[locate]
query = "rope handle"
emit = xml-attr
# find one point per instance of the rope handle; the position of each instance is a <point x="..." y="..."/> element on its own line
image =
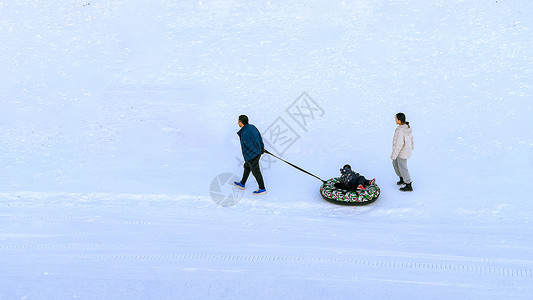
<point x="292" y="165"/>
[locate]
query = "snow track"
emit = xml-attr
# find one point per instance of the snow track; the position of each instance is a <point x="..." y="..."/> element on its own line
<point x="502" y="271"/>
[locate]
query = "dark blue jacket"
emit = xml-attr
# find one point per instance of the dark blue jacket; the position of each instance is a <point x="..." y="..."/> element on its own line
<point x="251" y="141"/>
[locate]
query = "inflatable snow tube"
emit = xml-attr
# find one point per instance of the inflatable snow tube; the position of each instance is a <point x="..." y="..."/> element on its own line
<point x="331" y="193"/>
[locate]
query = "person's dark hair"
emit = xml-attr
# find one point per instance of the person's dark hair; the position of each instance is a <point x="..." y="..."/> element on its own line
<point x="401" y="118"/>
<point x="346" y="169"/>
<point x="243" y="119"/>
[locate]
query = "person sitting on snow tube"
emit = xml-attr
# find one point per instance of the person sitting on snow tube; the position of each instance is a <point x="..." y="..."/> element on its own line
<point x="351" y="180"/>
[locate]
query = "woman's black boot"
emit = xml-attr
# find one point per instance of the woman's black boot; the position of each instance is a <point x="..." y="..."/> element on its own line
<point x="407" y="188"/>
<point x="400" y="182"/>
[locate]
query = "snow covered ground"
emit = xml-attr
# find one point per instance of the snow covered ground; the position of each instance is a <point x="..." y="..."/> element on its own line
<point x="117" y="143"/>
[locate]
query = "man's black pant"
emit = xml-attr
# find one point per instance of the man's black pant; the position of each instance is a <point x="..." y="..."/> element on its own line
<point x="253" y="166"/>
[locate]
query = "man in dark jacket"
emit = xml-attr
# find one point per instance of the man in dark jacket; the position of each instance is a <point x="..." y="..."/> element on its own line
<point x="252" y="147"/>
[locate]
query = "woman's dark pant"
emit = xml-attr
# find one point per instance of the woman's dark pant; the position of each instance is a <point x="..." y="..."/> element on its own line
<point x="253" y="166"/>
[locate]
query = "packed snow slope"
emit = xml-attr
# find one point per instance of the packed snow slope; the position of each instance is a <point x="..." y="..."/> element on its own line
<point x="118" y="142"/>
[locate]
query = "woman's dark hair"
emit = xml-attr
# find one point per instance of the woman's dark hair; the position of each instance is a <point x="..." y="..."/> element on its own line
<point x="401" y="118"/>
<point x="243" y="119"/>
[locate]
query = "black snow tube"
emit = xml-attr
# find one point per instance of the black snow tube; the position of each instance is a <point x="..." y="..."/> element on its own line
<point x="336" y="195"/>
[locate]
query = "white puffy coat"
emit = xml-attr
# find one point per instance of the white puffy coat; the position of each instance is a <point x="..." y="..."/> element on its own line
<point x="403" y="142"/>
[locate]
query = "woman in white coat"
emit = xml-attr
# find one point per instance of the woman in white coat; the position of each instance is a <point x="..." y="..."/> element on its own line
<point x="402" y="146"/>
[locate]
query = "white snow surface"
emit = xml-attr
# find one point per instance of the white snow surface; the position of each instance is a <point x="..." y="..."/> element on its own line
<point x="118" y="124"/>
